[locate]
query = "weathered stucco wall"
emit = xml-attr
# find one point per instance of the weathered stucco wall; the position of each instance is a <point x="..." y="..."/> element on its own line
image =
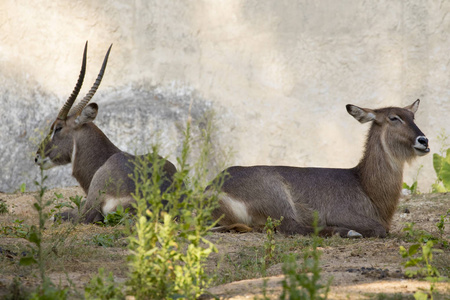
<point x="278" y="74"/>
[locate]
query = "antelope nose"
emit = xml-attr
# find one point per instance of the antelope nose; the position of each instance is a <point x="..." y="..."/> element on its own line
<point x="36" y="158"/>
<point x="423" y="140"/>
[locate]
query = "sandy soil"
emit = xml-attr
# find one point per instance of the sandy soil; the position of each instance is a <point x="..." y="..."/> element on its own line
<point x="360" y="269"/>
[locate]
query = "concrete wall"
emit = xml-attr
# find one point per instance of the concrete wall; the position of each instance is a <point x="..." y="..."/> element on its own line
<point x="278" y="74"/>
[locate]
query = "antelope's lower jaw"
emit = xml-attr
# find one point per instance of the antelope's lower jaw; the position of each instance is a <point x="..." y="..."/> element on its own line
<point x="421" y="152"/>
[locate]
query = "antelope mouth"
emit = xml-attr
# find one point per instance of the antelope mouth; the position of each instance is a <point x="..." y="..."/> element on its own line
<point x="421" y="150"/>
<point x="421" y="146"/>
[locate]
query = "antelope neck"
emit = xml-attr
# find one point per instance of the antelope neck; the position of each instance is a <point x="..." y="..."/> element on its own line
<point x="92" y="149"/>
<point x="381" y="176"/>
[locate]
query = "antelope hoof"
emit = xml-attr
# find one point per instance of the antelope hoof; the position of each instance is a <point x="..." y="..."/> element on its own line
<point x="353" y="234"/>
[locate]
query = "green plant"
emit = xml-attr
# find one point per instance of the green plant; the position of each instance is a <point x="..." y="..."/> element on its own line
<point x="104" y="240"/>
<point x="119" y="217"/>
<point x="48" y="290"/>
<point x="417" y="235"/>
<point x="269" y="244"/>
<point x="302" y="282"/>
<point x="16" y="291"/>
<point x="18" y="229"/>
<point x="443" y="219"/>
<point x="419" y="259"/>
<point x="413" y="187"/>
<point x="102" y="287"/>
<point x="37" y="255"/>
<point x="3" y="207"/>
<point x="167" y="257"/>
<point x="58" y="205"/>
<point x="441" y="165"/>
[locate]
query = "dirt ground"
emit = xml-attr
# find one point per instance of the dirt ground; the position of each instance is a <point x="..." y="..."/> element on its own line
<point x="359" y="268"/>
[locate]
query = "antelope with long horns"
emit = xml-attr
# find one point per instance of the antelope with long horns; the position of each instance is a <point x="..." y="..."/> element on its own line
<point x="101" y="169"/>
<point x="355" y="202"/>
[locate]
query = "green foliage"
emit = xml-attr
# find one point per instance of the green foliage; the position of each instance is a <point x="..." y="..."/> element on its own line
<point x="443" y="219"/>
<point x="16" y="291"/>
<point x="48" y="290"/>
<point x="269" y="244"/>
<point x="167" y="256"/>
<point x="441" y="166"/>
<point x="18" y="229"/>
<point x="418" y="259"/>
<point x="58" y="205"/>
<point x="302" y="282"/>
<point x="102" y="287"/>
<point x="106" y="240"/>
<point x="3" y="207"/>
<point x="78" y="201"/>
<point x="23" y="187"/>
<point x="417" y="235"/>
<point x="119" y="217"/>
<point x="413" y="187"/>
<point x="38" y="252"/>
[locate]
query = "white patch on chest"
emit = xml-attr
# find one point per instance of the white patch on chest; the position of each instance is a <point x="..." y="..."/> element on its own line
<point x="239" y="210"/>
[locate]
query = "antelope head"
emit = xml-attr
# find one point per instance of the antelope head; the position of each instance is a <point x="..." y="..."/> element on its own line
<point x="395" y="129"/>
<point x="57" y="147"/>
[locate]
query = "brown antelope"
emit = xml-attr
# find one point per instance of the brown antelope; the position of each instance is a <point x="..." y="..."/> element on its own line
<point x="350" y="202"/>
<point x="101" y="169"/>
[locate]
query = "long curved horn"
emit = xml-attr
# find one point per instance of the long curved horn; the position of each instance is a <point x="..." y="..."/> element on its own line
<point x="62" y="115"/>
<point x="80" y="106"/>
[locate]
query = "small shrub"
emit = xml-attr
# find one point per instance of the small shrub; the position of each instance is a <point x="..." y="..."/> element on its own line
<point x="167" y="257"/>
<point x="18" y="229"/>
<point x="16" y="291"/>
<point x="3" y="207"/>
<point x="417" y="235"/>
<point x="443" y="219"/>
<point x="441" y="166"/>
<point x="105" y="239"/>
<point x="48" y="290"/>
<point x="302" y="282"/>
<point x="119" y="217"/>
<point x="419" y="259"/>
<point x="102" y="287"/>
<point x="413" y="187"/>
<point x="269" y="244"/>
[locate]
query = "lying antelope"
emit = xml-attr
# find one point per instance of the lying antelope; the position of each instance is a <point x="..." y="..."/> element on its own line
<point x="349" y="202"/>
<point x="101" y="169"/>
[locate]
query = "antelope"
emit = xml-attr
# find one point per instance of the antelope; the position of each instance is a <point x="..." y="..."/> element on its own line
<point x="101" y="169"/>
<point x="356" y="202"/>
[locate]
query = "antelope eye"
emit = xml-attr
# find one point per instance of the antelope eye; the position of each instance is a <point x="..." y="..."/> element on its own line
<point x="57" y="129"/>
<point x="394" y="118"/>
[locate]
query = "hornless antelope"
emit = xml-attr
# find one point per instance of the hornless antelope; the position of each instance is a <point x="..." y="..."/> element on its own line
<point x="101" y="169"/>
<point x="349" y="202"/>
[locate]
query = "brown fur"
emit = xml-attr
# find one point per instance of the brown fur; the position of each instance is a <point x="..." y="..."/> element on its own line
<point x="101" y="168"/>
<point x="362" y="199"/>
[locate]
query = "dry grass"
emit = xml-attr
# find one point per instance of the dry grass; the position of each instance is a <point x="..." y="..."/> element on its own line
<point x="81" y="250"/>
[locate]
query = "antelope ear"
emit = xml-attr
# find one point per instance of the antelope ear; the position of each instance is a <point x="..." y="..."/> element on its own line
<point x="88" y="114"/>
<point x="363" y="115"/>
<point x="413" y="107"/>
